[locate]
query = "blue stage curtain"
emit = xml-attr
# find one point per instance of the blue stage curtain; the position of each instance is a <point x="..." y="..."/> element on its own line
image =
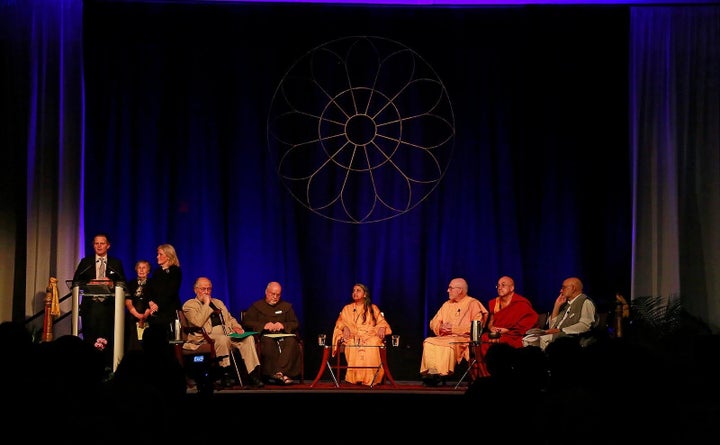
<point x="537" y="185"/>
<point x="159" y="134"/>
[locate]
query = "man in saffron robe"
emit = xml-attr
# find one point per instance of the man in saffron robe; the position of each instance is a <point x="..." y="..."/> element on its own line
<point x="451" y="326"/>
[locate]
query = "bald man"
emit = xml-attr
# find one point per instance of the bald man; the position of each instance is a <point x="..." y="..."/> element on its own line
<point x="280" y="355"/>
<point x="451" y="326"/>
<point x="573" y="314"/>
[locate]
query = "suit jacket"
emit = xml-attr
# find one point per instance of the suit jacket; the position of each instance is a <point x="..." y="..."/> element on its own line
<point x="198" y="315"/>
<point x="85" y="270"/>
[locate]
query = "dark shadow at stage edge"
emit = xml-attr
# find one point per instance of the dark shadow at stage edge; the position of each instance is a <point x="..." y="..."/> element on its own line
<point x="329" y="387"/>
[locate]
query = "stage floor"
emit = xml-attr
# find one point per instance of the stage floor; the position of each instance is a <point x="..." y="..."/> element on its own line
<point x="329" y="387"/>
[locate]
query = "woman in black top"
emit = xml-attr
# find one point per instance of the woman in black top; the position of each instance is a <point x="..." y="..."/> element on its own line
<point x="164" y="289"/>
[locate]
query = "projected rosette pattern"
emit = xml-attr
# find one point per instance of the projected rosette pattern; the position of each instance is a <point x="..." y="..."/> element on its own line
<point x="360" y="130"/>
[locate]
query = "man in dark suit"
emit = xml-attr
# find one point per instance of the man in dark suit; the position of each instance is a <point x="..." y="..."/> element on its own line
<point x="98" y="312"/>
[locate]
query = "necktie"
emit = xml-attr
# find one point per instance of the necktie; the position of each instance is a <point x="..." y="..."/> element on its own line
<point x="101" y="271"/>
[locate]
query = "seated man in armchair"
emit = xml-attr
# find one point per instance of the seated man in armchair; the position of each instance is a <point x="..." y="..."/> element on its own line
<point x="280" y="352"/>
<point x="212" y="315"/>
<point x="451" y="326"/>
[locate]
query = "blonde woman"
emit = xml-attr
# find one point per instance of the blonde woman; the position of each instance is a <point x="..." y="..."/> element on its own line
<point x="163" y="288"/>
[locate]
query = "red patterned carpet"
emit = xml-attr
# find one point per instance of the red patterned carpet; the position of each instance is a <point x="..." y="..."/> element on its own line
<point x="328" y="386"/>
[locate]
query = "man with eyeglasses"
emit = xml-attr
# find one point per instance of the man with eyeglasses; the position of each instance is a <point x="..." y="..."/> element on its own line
<point x="511" y="316"/>
<point x="573" y="314"/>
<point x="451" y="326"/>
<point x="212" y="315"/>
<point x="279" y="345"/>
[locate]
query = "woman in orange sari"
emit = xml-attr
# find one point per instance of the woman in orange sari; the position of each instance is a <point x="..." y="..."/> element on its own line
<point x="361" y="328"/>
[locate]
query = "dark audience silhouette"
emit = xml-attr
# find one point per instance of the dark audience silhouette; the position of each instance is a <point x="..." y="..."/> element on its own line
<point x="148" y="390"/>
<point x="615" y="391"/>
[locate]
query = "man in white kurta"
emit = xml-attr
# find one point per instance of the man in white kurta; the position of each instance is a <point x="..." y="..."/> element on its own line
<point x="573" y="314"/>
<point x="451" y="326"/>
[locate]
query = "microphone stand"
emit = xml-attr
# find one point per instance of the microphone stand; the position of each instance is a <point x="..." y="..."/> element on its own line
<point x="474" y="344"/>
<point x="232" y="353"/>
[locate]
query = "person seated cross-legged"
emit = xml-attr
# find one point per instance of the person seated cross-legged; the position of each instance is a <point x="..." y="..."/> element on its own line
<point x="212" y="315"/>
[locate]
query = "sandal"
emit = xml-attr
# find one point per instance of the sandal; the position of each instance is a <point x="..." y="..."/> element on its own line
<point x="287" y="380"/>
<point x="279" y="378"/>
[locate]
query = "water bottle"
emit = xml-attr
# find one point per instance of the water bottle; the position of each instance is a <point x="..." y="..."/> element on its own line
<point x="475" y="327"/>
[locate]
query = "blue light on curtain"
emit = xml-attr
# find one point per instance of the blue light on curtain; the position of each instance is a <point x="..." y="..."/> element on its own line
<point x="536" y="188"/>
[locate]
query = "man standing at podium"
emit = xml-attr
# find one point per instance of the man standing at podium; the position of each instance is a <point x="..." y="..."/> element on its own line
<point x="98" y="311"/>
